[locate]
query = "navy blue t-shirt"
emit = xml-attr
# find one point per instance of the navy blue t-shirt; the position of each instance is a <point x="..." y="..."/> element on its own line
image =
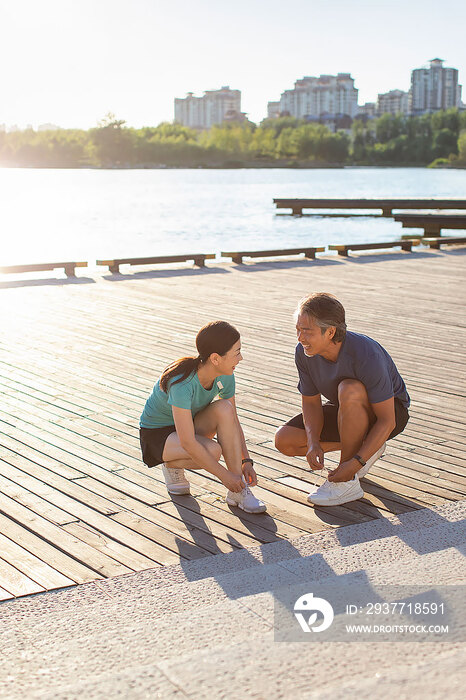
<point x="359" y="358"/>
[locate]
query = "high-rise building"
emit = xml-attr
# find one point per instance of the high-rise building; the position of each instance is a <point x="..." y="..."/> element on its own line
<point x="328" y="94"/>
<point x="367" y="110"/>
<point x="48" y="127"/>
<point x="434" y="88"/>
<point x="273" y="110"/>
<point x="393" y="102"/>
<point x="214" y="107"/>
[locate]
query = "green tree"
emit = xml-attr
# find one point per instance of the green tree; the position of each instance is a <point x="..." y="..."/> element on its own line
<point x="389" y="126"/>
<point x="462" y="147"/>
<point x="445" y="143"/>
<point x="113" y="142"/>
<point x="363" y="140"/>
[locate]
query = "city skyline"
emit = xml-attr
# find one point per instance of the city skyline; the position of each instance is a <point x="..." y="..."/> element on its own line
<point x="70" y="63"/>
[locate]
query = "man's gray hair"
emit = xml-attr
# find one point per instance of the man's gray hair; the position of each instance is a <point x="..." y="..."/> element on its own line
<point x="326" y="311"/>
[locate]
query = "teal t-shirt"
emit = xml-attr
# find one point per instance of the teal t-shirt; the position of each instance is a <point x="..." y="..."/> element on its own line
<point x="188" y="394"/>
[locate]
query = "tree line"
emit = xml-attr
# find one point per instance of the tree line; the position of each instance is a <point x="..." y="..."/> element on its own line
<point x="438" y="138"/>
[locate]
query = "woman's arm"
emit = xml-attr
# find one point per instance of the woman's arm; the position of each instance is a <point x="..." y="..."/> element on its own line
<point x="185" y="430"/>
<point x="248" y="469"/>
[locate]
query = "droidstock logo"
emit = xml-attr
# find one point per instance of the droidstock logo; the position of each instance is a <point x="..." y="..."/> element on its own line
<point x="308" y="604"/>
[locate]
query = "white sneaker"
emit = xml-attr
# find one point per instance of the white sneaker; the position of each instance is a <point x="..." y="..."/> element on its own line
<point x="177" y="483"/>
<point x="246" y="500"/>
<point x="371" y="461"/>
<point x="336" y="493"/>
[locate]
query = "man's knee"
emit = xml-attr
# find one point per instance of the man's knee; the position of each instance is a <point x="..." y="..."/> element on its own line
<point x="352" y="390"/>
<point x="285" y="440"/>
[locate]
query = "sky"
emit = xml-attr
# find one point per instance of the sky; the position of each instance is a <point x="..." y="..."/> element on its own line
<point x="70" y="62"/>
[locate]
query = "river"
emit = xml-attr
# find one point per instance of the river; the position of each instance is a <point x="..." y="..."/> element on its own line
<point x="47" y="215"/>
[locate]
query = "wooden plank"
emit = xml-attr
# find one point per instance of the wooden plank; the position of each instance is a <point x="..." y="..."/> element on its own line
<point x="238" y="256"/>
<point x="404" y="244"/>
<point x="109" y="526"/>
<point x="435" y="243"/>
<point x="183" y="548"/>
<point x="125" y="555"/>
<point x="198" y="259"/>
<point x="59" y="538"/>
<point x="15" y="582"/>
<point x="4" y="595"/>
<point x="432" y="223"/>
<point x="169" y="528"/>
<point x="37" y="503"/>
<point x="48" y="484"/>
<point x="206" y="518"/>
<point x="32" y="566"/>
<point x="69" y="267"/>
<point x="297" y="204"/>
<point x="49" y="554"/>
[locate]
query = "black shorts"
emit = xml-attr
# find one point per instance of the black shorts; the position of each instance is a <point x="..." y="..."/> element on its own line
<point x="152" y="443"/>
<point x="330" y="431"/>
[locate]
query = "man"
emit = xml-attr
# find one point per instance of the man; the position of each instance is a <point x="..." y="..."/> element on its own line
<point x="367" y="399"/>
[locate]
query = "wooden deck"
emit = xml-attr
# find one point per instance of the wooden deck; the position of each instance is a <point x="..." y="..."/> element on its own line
<point x="79" y="357"/>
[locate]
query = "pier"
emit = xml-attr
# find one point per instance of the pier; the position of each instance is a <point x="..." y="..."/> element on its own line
<point x="79" y="357"/>
<point x="386" y="205"/>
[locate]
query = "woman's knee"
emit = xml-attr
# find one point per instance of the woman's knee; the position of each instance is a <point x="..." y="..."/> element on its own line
<point x="207" y="421"/>
<point x="223" y="409"/>
<point x="214" y="449"/>
<point x="352" y="390"/>
<point x="224" y="406"/>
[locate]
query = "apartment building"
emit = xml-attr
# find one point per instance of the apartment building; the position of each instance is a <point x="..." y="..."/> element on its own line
<point x="327" y="94"/>
<point x="214" y="107"/>
<point x="393" y="102"/>
<point x="434" y="88"/>
<point x="273" y="110"/>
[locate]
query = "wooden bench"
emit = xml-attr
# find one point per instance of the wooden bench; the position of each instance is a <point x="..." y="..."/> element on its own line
<point x="237" y="256"/>
<point x="386" y="205"/>
<point x="442" y="240"/>
<point x="198" y="258"/>
<point x="403" y="244"/>
<point x="432" y="223"/>
<point x="69" y="267"/>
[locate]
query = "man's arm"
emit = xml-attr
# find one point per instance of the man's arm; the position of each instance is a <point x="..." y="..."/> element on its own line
<point x="313" y="417"/>
<point x="385" y="422"/>
<point x="380" y="431"/>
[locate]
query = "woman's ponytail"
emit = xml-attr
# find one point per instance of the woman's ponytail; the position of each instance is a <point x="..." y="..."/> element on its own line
<point x="181" y="369"/>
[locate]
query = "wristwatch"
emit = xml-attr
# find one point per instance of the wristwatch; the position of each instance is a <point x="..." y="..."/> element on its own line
<point x="360" y="460"/>
<point x="247" y="459"/>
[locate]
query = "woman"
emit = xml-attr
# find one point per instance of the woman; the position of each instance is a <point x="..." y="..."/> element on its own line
<point x="181" y="418"/>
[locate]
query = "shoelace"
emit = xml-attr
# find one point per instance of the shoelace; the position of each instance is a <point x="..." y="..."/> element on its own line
<point x="177" y="475"/>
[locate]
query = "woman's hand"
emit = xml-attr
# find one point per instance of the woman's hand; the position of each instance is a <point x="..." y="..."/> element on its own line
<point x="249" y="474"/>
<point x="233" y="482"/>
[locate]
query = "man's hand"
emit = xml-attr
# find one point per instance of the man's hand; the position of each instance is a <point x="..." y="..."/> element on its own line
<point x="249" y="474"/>
<point x="315" y="456"/>
<point x="345" y="471"/>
